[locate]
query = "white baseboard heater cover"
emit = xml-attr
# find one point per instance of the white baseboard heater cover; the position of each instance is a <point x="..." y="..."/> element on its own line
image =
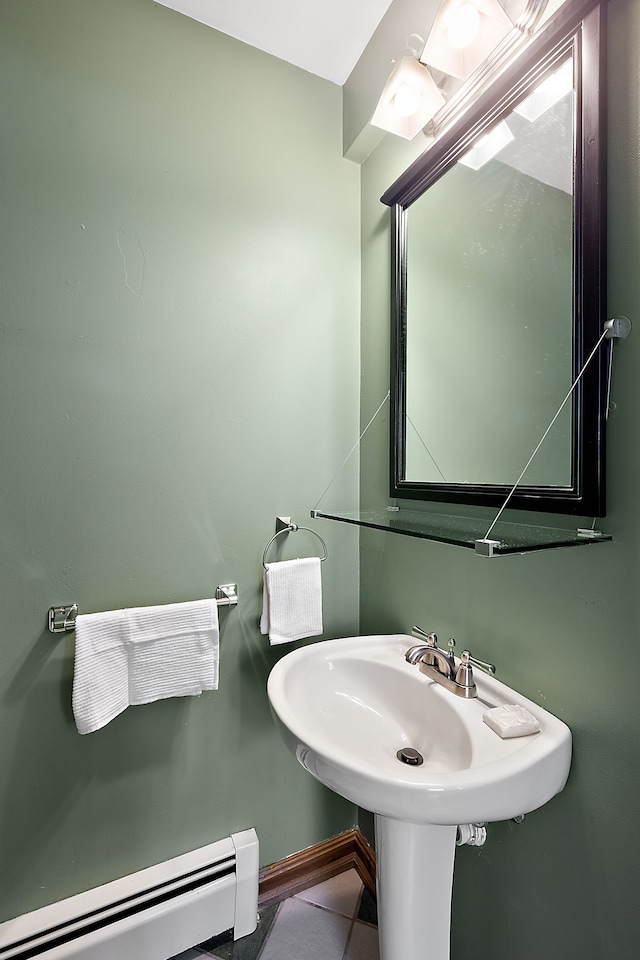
<point x="150" y="915"/>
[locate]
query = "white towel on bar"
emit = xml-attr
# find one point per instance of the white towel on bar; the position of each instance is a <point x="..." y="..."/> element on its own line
<point x="140" y="654"/>
<point x="292" y="600"/>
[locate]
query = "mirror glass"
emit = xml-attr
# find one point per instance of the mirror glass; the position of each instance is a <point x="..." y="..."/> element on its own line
<point x="489" y="254"/>
<point x="498" y="293"/>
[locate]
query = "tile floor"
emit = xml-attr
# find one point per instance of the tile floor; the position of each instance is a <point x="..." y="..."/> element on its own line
<point x="335" y="920"/>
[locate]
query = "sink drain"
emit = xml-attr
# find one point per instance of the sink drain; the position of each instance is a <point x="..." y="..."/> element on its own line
<point x="410" y="756"/>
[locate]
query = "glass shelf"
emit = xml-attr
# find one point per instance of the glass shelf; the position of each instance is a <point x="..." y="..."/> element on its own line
<point x="506" y="538"/>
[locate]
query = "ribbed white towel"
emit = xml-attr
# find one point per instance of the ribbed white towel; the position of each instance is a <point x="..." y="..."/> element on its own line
<point x="140" y="654"/>
<point x="292" y="600"/>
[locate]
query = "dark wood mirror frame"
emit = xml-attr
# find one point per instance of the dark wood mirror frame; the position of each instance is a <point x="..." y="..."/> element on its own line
<point x="578" y="27"/>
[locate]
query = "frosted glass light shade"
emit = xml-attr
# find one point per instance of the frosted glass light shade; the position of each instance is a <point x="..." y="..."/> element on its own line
<point x="409" y="100"/>
<point x="464" y="33"/>
<point x="488" y="146"/>
<point x="548" y="93"/>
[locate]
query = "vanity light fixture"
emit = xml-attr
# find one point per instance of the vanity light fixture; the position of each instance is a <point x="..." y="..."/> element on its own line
<point x="488" y="146"/>
<point x="464" y="33"/>
<point x="409" y="100"/>
<point x="548" y="93"/>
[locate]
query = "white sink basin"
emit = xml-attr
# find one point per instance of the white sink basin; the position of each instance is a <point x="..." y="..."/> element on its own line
<point x="347" y="706"/>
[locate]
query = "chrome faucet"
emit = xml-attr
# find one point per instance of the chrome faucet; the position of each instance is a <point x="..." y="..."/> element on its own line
<point x="430" y="654"/>
<point x="441" y="666"/>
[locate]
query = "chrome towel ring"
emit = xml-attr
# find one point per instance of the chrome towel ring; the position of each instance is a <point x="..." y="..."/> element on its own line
<point x="289" y="527"/>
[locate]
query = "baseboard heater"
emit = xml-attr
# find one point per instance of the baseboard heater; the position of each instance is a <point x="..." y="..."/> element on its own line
<point x="150" y="915"/>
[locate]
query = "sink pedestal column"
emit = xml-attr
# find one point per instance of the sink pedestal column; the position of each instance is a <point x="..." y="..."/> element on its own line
<point x="414" y="868"/>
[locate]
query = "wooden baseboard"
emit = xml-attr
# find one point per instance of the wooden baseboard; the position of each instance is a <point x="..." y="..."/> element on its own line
<point x="320" y="862"/>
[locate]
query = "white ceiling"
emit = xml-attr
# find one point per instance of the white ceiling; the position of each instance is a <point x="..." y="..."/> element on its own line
<point x="324" y="37"/>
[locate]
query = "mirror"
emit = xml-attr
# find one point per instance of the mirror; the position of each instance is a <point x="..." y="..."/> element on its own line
<point x="498" y="292"/>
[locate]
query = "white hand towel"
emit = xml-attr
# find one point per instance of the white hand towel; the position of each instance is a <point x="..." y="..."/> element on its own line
<point x="292" y="600"/>
<point x="101" y="669"/>
<point x="142" y="654"/>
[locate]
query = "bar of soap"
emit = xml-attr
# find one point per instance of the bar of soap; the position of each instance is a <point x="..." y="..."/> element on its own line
<point x="511" y="720"/>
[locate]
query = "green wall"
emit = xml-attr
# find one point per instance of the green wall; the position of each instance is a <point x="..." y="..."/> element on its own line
<point x="561" y="626"/>
<point x="179" y="290"/>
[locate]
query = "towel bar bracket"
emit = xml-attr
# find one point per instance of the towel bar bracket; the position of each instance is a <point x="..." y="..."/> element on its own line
<point x="63" y="619"/>
<point x="227" y="595"/>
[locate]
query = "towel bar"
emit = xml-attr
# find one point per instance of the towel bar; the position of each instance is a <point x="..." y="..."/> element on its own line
<point x="285" y="525"/>
<point x="63" y="619"/>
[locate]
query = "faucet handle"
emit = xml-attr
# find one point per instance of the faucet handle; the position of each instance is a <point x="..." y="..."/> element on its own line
<point x="487" y="667"/>
<point x="430" y="638"/>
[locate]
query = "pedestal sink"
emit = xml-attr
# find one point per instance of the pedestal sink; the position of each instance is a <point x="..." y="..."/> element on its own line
<point x="346" y="707"/>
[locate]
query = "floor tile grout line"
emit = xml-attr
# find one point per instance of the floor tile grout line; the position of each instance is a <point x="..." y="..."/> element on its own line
<point x="349" y="936"/>
<point x="273" y="923"/>
<point x="318" y="906"/>
<point x="359" y="903"/>
<point x="365" y="923"/>
<point x="353" y="919"/>
<point x="322" y="906"/>
<point x="353" y="916"/>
